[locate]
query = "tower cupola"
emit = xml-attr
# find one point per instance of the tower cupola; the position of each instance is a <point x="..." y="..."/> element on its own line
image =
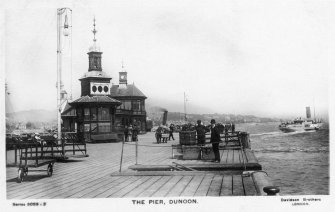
<point x="123" y="76"/>
<point x="94" y="54"/>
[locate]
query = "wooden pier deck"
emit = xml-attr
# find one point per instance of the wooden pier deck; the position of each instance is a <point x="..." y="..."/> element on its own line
<point x="97" y="176"/>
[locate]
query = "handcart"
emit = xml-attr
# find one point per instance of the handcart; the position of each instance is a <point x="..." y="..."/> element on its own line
<point x="35" y="155"/>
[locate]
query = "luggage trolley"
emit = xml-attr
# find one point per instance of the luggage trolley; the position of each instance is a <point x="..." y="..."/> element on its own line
<point x="35" y="155"/>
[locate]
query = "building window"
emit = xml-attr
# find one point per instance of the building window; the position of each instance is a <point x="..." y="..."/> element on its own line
<point x="95" y="62"/>
<point x="87" y="127"/>
<point x="86" y="114"/>
<point x="94" y="127"/>
<point x="103" y="114"/>
<point x="127" y="105"/>
<point x="104" y="127"/>
<point x="79" y="112"/>
<point x="94" y="114"/>
<point x="136" y="105"/>
<point x="142" y="106"/>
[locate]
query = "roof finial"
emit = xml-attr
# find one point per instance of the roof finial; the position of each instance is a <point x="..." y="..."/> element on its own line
<point x="122" y="66"/>
<point x="94" y="30"/>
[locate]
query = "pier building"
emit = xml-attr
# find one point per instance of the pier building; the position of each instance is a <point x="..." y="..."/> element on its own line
<point x="103" y="110"/>
<point x="93" y="114"/>
<point x="132" y="110"/>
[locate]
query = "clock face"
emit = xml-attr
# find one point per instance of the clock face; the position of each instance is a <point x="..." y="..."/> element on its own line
<point x="123" y="76"/>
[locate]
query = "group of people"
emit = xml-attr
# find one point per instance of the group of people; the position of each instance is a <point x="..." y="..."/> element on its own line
<point x="161" y="130"/>
<point x="131" y="132"/>
<point x="215" y="139"/>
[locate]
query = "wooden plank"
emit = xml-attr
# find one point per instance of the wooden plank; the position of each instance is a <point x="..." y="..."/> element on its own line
<point x="215" y="187"/>
<point x="78" y="187"/>
<point x="56" y="182"/>
<point x="42" y="189"/>
<point x="236" y="156"/>
<point x="192" y="187"/>
<point x="108" y="190"/>
<point x="261" y="180"/>
<point x="143" y="187"/>
<point x="167" y="186"/>
<point x="237" y="186"/>
<point x="227" y="185"/>
<point x="224" y="156"/>
<point x="173" y="173"/>
<point x="98" y="188"/>
<point x="204" y="185"/>
<point x="92" y="189"/>
<point x="141" y="180"/>
<point x="179" y="187"/>
<point x="251" y="158"/>
<point x="199" y="167"/>
<point x="155" y="187"/>
<point x="249" y="186"/>
<point x="230" y="157"/>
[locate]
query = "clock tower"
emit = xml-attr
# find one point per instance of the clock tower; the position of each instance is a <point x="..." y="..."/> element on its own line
<point x="123" y="78"/>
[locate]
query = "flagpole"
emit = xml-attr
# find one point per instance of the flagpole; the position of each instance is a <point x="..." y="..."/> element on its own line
<point x="185" y="107"/>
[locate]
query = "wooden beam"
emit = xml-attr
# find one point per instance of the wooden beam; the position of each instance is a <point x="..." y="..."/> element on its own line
<point x="199" y="167"/>
<point x="175" y="173"/>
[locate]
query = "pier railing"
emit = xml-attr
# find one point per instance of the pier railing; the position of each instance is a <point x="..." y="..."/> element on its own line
<point x="68" y="146"/>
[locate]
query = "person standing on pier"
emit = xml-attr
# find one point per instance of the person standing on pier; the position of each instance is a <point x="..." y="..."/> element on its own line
<point x="171" y="132"/>
<point x="201" y="133"/>
<point x="215" y="139"/>
<point x="158" y="134"/>
<point x="135" y="133"/>
<point x="126" y="133"/>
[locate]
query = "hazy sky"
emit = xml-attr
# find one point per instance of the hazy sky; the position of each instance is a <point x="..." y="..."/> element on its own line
<point x="266" y="58"/>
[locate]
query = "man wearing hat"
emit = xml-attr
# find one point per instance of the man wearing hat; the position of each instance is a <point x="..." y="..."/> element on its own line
<point x="201" y="133"/>
<point x="215" y="139"/>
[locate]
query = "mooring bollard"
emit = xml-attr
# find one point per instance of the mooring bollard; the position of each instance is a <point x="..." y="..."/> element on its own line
<point x="245" y="140"/>
<point x="271" y="190"/>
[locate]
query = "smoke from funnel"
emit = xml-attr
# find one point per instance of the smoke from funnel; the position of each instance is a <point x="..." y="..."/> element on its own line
<point x="164" y="117"/>
<point x="157" y="109"/>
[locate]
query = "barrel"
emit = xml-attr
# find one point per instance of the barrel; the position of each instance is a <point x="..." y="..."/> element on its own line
<point x="187" y="137"/>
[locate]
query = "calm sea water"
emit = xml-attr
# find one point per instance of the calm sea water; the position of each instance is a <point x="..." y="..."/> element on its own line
<point x="296" y="162"/>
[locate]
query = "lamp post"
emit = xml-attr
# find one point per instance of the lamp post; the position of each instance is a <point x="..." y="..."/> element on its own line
<point x="61" y="28"/>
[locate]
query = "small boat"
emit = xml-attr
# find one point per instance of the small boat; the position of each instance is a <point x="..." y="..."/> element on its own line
<point x="300" y="125"/>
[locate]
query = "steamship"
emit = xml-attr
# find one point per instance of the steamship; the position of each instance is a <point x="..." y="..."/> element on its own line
<point x="300" y="125"/>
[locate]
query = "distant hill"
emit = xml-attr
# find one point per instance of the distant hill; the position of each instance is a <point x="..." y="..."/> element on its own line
<point x="33" y="116"/>
<point x="177" y="117"/>
<point x="154" y="113"/>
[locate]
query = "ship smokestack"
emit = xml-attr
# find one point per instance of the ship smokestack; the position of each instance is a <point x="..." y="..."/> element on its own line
<point x="164" y="117"/>
<point x="308" y="112"/>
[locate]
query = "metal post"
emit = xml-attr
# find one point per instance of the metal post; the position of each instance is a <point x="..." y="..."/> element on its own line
<point x="60" y="12"/>
<point x="59" y="70"/>
<point x="15" y="152"/>
<point x="121" y="155"/>
<point x="73" y="140"/>
<point x="136" y="150"/>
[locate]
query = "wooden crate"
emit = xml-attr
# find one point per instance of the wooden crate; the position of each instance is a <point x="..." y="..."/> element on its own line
<point x="207" y="153"/>
<point x="177" y="152"/>
<point x="187" y="137"/>
<point x="191" y="152"/>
